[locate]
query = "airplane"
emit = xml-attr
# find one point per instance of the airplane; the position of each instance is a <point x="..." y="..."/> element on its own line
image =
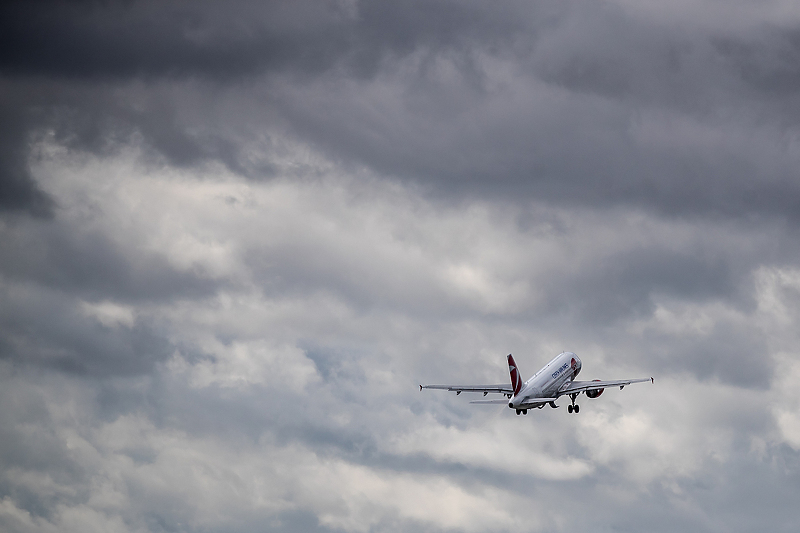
<point x="555" y="379"/>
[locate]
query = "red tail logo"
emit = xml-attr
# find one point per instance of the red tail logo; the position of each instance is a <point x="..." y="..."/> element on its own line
<point x="516" y="380"/>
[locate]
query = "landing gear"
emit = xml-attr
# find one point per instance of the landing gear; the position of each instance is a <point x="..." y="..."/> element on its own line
<point x="518" y="411"/>
<point x="524" y="411"/>
<point x="573" y="408"/>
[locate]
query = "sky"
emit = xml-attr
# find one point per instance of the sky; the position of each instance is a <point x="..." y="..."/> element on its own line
<point x="236" y="236"/>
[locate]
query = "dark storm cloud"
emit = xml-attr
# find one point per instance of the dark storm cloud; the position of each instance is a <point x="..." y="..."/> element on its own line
<point x="46" y="46"/>
<point x="126" y="39"/>
<point x="598" y="109"/>
<point x="586" y="79"/>
<point x="60" y="43"/>
<point x="17" y="189"/>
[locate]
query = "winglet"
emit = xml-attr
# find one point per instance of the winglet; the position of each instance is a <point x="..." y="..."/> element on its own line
<point x="516" y="380"/>
<point x="420" y="388"/>
<point x="652" y="380"/>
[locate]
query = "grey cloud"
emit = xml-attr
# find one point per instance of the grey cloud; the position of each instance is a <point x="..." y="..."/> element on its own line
<point x="93" y="267"/>
<point x="31" y="444"/>
<point x="126" y="39"/>
<point x="50" y="271"/>
<point x="73" y="45"/>
<point x="730" y="353"/>
<point x="565" y="127"/>
<point x="626" y="285"/>
<point x="474" y="111"/>
<point x="657" y="502"/>
<point x="17" y="189"/>
<point x="53" y="333"/>
<point x="768" y="64"/>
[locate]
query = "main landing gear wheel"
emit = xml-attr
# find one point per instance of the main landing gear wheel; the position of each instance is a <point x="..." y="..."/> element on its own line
<point x="518" y="411"/>
<point x="573" y="408"/>
<point x="524" y="411"/>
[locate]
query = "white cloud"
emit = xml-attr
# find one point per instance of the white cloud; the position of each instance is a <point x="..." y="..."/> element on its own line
<point x="786" y="406"/>
<point x="110" y="314"/>
<point x="501" y="444"/>
<point x="242" y="364"/>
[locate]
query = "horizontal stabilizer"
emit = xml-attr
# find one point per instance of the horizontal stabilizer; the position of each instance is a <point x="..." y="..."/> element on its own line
<point x="532" y="402"/>
<point x="535" y="402"/>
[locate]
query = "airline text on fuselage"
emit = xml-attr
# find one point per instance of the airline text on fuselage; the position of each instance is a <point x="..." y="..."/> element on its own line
<point x="560" y="370"/>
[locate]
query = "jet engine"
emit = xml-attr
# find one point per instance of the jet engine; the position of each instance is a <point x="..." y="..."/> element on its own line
<point x="594" y="393"/>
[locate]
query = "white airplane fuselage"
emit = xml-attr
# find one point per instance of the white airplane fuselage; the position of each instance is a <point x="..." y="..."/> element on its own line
<point x="548" y="381"/>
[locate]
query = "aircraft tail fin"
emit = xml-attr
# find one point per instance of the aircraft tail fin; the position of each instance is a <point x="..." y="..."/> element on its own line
<point x="516" y="378"/>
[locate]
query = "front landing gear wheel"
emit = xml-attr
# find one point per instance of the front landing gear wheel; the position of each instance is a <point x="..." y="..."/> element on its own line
<point x="569" y="409"/>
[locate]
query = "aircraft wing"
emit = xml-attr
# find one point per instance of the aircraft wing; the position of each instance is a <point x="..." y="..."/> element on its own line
<point x="497" y="401"/>
<point x="580" y="386"/>
<point x="502" y="388"/>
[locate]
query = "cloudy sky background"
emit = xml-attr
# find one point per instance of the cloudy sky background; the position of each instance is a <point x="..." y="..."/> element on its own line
<point x="235" y="237"/>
